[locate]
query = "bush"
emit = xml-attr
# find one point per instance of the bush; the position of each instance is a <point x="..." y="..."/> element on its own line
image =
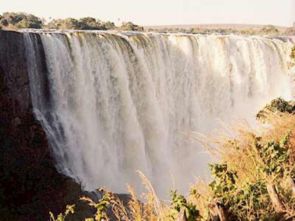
<point x="129" y="26"/>
<point x="276" y="106"/>
<point x="20" y="20"/>
<point x="180" y="205"/>
<point x="87" y="23"/>
<point x="68" y="23"/>
<point x="11" y="20"/>
<point x="269" y="30"/>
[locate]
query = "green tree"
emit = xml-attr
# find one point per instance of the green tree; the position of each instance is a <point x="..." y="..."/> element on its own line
<point x="68" y="23"/>
<point x="20" y="20"/>
<point x="129" y="26"/>
<point x="89" y="23"/>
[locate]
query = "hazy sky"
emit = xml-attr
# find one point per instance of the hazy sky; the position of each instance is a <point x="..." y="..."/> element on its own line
<point x="160" y="12"/>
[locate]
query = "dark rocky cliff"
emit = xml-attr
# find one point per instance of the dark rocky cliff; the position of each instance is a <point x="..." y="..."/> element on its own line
<point x="30" y="186"/>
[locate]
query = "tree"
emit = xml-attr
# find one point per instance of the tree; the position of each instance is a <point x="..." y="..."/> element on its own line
<point x="109" y="25"/>
<point x="20" y="20"/>
<point x="68" y="23"/>
<point x="269" y="30"/>
<point x="129" y="26"/>
<point x="89" y="23"/>
<point x="86" y="23"/>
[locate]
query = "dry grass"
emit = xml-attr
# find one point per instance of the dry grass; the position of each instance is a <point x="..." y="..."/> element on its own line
<point x="235" y="147"/>
<point x="241" y="155"/>
<point x="201" y="196"/>
<point x="238" y="148"/>
<point x="153" y="209"/>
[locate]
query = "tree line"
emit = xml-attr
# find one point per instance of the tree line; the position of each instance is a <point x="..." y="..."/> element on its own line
<point x="12" y="20"/>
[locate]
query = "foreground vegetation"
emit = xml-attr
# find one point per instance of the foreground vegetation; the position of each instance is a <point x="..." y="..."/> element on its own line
<point x="254" y="179"/>
<point x="12" y="21"/>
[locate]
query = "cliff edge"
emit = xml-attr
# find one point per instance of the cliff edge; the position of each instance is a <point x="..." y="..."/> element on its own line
<point x="30" y="186"/>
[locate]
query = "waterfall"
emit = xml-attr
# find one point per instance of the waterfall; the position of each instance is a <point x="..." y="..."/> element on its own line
<point x="114" y="103"/>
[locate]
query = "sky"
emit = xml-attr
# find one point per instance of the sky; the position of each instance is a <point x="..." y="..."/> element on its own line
<point x="162" y="12"/>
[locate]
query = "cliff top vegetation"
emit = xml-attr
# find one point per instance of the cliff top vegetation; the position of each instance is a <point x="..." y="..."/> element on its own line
<point x="14" y="21"/>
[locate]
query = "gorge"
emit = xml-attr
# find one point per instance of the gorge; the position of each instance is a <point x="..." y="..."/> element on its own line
<point x="112" y="103"/>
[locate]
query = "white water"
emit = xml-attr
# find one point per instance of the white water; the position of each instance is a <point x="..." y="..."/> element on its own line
<point x="118" y="103"/>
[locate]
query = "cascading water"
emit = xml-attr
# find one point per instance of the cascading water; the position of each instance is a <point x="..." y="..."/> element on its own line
<point x="115" y="103"/>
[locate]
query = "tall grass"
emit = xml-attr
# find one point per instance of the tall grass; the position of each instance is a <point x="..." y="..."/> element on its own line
<point x="253" y="180"/>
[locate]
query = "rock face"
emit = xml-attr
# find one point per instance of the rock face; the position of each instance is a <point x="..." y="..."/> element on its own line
<point x="30" y="186"/>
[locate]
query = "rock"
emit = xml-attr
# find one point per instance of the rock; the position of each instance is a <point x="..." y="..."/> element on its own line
<point x="30" y="185"/>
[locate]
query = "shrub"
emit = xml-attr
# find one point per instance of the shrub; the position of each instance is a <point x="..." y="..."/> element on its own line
<point x="276" y="106"/>
<point x="68" y="23"/>
<point x="70" y="209"/>
<point x="11" y="20"/>
<point x="129" y="26"/>
<point x="86" y="23"/>
<point x="20" y="20"/>
<point x="180" y="205"/>
<point x="269" y="30"/>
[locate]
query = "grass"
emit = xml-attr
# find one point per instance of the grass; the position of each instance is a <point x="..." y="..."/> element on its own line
<point x="253" y="180"/>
